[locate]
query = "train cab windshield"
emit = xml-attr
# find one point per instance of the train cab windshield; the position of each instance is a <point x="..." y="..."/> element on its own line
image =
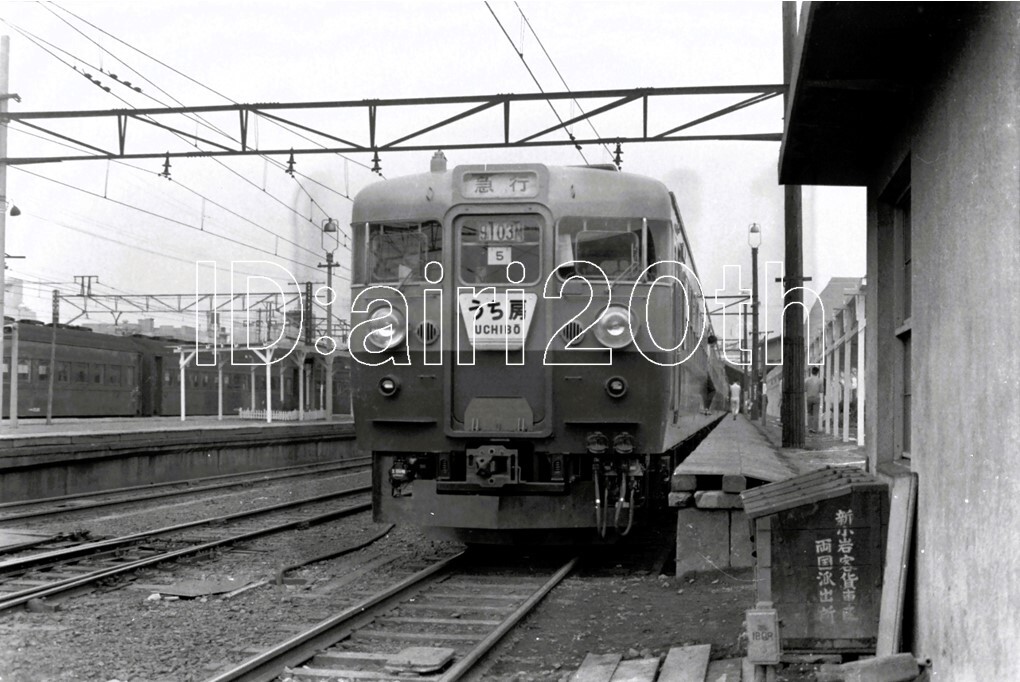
<point x="397" y="252"/>
<point x="488" y="244"/>
<point x="620" y="247"/>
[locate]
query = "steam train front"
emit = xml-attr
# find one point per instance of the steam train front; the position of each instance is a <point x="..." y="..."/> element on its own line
<point x="527" y="350"/>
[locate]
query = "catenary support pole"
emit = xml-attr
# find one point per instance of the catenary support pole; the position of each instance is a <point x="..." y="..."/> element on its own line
<point x="793" y="318"/>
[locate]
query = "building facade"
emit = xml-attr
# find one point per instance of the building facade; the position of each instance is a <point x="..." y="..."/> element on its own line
<point x="920" y="103"/>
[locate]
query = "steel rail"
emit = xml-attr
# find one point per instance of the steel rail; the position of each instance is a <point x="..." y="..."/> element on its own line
<point x="272" y="663"/>
<point x="299" y="648"/>
<point x="24" y="563"/>
<point x="472" y="657"/>
<point x="170" y="493"/>
<point x="353" y="461"/>
<point x="21" y="598"/>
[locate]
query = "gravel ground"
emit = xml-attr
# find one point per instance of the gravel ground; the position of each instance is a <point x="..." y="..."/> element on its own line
<point x="112" y="522"/>
<point x="129" y="635"/>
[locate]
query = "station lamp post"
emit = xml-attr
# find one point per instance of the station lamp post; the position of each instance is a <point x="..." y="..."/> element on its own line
<point x="330" y="242"/>
<point x="754" y="240"/>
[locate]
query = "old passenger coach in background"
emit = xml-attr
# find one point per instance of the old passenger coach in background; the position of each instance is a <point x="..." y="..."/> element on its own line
<point x="531" y="353"/>
<point x="104" y="375"/>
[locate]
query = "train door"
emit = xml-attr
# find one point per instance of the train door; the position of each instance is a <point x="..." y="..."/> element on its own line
<point x="157" y="384"/>
<point x="498" y="275"/>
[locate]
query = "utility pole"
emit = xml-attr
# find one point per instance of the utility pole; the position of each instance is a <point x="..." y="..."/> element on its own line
<point x="793" y="320"/>
<point x="330" y="241"/>
<point x="5" y="63"/>
<point x="53" y="356"/>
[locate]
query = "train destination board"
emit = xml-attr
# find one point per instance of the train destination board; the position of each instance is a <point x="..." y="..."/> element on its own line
<point x="497" y="320"/>
<point x="500" y="185"/>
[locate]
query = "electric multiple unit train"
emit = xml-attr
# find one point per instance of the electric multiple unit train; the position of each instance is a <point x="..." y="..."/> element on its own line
<point x="531" y="354"/>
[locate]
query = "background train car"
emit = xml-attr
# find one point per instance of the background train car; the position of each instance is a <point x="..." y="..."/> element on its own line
<point x="103" y="375"/>
<point x="497" y="382"/>
<point x="96" y="375"/>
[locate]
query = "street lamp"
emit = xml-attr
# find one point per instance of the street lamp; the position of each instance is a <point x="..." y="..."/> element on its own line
<point x="754" y="241"/>
<point x="330" y="242"/>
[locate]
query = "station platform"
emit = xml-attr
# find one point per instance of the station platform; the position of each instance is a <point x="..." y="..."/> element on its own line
<point x="72" y="456"/>
<point x="713" y="532"/>
<point x="37" y="428"/>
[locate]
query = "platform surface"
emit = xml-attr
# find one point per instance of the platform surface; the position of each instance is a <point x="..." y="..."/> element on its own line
<point x="38" y="428"/>
<point x="737" y="447"/>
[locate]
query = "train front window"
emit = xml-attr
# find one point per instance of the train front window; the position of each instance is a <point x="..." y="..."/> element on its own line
<point x="621" y="247"/>
<point x="397" y="252"/>
<point x="488" y="244"/>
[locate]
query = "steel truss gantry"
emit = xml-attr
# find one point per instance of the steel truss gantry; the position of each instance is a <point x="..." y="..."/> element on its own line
<point x="338" y="139"/>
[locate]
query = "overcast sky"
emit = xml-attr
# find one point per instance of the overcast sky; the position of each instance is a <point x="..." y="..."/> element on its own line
<point x="308" y="51"/>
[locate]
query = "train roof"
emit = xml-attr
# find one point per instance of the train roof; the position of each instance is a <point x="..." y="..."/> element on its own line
<point x="594" y="190"/>
<point x="73" y="336"/>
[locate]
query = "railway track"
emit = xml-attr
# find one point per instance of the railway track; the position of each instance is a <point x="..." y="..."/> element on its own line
<point x="59" y="572"/>
<point x="437" y="624"/>
<point x="67" y="504"/>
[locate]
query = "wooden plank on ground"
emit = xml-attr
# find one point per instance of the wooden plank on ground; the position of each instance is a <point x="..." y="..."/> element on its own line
<point x="597" y="668"/>
<point x="897" y="553"/>
<point x="686" y="663"/>
<point x="636" y="670"/>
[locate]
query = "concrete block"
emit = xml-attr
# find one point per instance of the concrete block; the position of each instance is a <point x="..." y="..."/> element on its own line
<point x="741" y="547"/>
<point x="682" y="483"/>
<point x="734" y="483"/>
<point x="702" y="540"/>
<point x="717" y="499"/>
<point x="681" y="499"/>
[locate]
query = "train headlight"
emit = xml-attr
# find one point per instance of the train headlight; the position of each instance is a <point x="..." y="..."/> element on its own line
<point x="389" y="386"/>
<point x="616" y="387"/>
<point x="614" y="328"/>
<point x="387" y="328"/>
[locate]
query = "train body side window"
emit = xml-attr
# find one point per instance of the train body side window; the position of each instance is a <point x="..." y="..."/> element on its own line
<point x="42" y="372"/>
<point x="129" y="375"/>
<point x="113" y="375"/>
<point x="96" y="371"/>
<point x="81" y="372"/>
<point x="63" y="372"/>
<point x="24" y="371"/>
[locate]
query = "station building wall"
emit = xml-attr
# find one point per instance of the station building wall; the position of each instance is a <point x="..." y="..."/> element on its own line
<point x="943" y="343"/>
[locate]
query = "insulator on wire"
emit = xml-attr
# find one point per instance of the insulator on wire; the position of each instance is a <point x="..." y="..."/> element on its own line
<point x="166" y="167"/>
<point x="618" y="157"/>
<point x="290" y="164"/>
<point x="376" y="168"/>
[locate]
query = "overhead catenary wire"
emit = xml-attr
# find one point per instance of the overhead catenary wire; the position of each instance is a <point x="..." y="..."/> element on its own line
<point x="197" y="119"/>
<point x="206" y="87"/>
<point x="163" y="217"/>
<point x="520" y="53"/>
<point x="193" y="191"/>
<point x="556" y="69"/>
